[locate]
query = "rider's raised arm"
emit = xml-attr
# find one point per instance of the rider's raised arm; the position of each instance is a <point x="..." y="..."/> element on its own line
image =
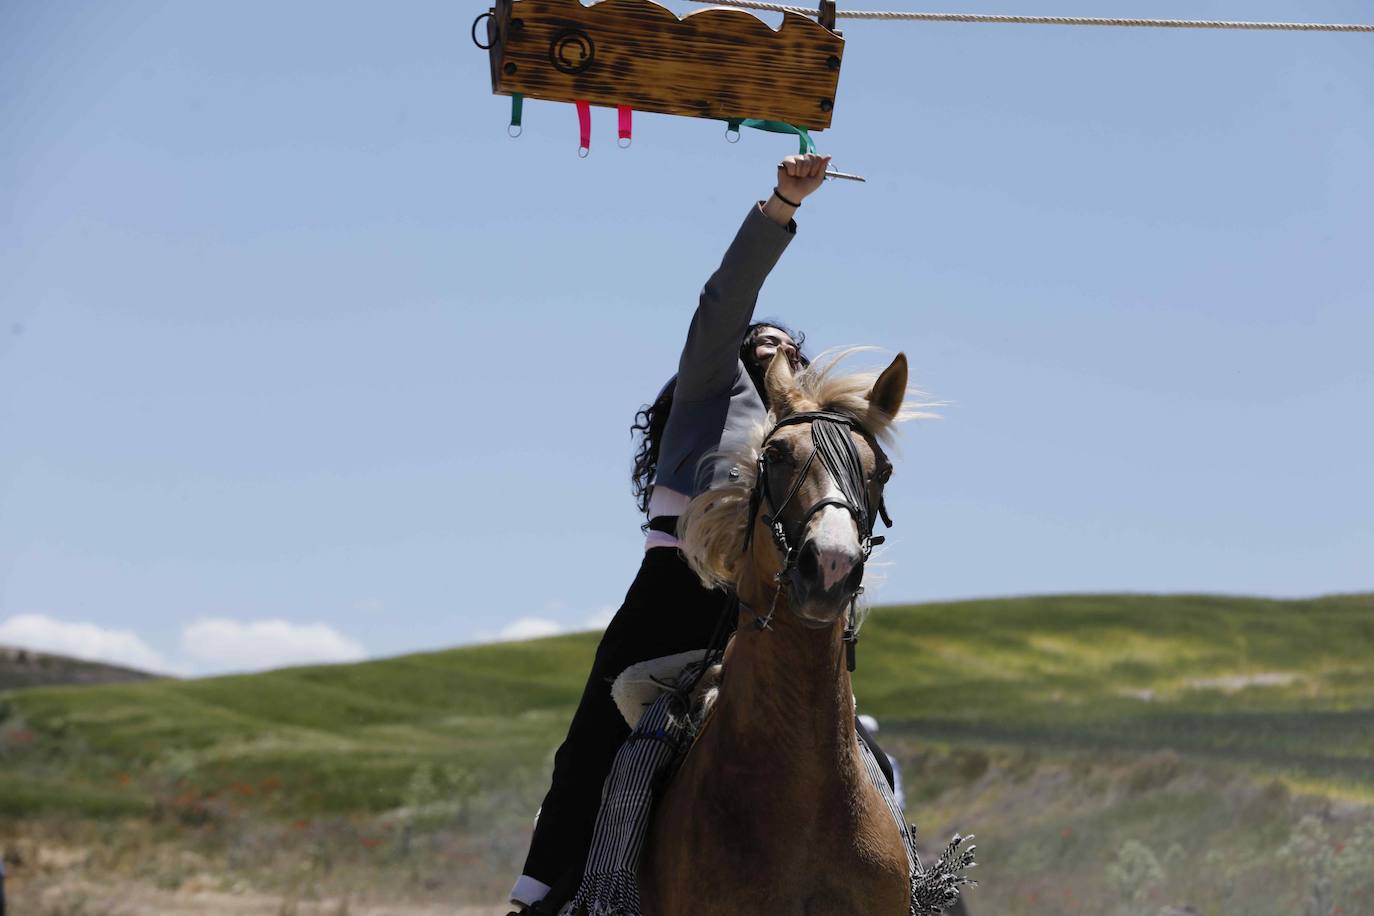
<point x="710" y="358"/>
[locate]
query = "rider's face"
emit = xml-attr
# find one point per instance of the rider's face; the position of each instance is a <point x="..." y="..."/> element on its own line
<point x="768" y="340"/>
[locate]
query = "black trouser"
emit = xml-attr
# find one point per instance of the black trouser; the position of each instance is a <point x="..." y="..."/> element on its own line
<point x="666" y="611"/>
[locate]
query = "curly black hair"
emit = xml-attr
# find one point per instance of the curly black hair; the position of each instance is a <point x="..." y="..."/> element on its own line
<point x="652" y="419"/>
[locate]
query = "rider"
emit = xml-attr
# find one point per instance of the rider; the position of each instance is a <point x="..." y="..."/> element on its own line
<point x="716" y="399"/>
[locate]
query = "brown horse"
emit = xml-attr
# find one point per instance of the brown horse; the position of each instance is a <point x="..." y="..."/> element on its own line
<point x="772" y="811"/>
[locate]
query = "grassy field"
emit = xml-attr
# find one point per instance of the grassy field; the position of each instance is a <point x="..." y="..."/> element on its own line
<point x="1113" y="753"/>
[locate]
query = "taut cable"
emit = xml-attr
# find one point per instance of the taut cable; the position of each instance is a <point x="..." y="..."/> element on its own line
<point x="1053" y="20"/>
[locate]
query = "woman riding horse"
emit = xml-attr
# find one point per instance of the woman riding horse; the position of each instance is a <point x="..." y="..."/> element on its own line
<point x="717" y="398"/>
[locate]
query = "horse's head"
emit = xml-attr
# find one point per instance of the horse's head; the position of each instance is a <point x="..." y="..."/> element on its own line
<point x="800" y="521"/>
<point x="819" y="491"/>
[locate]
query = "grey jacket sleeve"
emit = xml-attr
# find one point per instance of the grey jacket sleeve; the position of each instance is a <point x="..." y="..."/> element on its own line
<point x="711" y="356"/>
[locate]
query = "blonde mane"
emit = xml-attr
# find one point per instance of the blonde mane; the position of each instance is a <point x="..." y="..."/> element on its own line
<point x="712" y="531"/>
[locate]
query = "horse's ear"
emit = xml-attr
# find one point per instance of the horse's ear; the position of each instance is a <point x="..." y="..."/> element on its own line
<point x="781" y="388"/>
<point x="888" y="391"/>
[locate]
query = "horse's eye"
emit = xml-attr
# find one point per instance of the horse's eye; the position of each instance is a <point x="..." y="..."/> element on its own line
<point x="777" y="453"/>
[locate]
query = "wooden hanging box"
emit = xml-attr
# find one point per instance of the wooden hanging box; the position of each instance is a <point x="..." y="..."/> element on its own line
<point x="711" y="63"/>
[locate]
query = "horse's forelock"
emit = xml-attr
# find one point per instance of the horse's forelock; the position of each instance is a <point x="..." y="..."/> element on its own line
<point x="828" y="388"/>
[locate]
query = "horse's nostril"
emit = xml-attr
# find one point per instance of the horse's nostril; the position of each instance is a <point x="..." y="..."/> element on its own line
<point x="855" y="578"/>
<point x="809" y="564"/>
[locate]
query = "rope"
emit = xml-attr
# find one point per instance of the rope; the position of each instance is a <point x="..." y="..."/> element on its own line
<point x="1053" y="20"/>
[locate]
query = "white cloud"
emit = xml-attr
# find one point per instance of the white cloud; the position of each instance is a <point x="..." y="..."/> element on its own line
<point x="529" y="628"/>
<point x="538" y="627"/>
<point x="600" y="618"/>
<point x="219" y="644"/>
<point x="88" y="641"/>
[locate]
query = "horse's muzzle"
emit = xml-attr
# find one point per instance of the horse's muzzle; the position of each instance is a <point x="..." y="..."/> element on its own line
<point x="823" y="581"/>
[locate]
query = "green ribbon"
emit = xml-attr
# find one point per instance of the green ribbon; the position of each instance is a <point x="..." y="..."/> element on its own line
<point x="778" y="127"/>
<point x="517" y="105"/>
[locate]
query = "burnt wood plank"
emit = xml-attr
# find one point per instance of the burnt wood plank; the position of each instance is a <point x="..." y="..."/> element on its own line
<point x="712" y="63"/>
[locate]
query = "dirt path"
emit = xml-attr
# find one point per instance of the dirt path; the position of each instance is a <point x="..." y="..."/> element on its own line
<point x="70" y="898"/>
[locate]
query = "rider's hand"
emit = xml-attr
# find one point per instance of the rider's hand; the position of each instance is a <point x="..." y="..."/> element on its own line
<point x="800" y="176"/>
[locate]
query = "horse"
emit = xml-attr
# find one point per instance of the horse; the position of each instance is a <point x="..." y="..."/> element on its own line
<point x="772" y="810"/>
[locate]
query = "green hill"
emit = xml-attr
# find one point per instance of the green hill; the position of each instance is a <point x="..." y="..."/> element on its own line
<point x="29" y="668"/>
<point x="1111" y="752"/>
<point x="1284" y="685"/>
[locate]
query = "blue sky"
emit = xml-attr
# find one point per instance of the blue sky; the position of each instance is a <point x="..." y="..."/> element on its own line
<point x="302" y="357"/>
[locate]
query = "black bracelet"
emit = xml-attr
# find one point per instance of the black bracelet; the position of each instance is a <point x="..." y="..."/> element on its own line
<point x="778" y="195"/>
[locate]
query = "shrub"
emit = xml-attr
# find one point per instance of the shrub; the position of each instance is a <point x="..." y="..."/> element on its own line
<point x="1135" y="873"/>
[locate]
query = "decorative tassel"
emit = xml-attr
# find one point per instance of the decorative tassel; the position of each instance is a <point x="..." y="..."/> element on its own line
<point x="934" y="890"/>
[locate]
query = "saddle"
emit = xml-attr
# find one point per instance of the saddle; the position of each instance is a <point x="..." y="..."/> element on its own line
<point x="638" y="686"/>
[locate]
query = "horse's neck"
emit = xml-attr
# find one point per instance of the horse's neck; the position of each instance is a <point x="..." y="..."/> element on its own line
<point x="786" y="691"/>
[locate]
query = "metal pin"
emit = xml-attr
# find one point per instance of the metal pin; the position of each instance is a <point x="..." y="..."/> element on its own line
<point x="845" y="175"/>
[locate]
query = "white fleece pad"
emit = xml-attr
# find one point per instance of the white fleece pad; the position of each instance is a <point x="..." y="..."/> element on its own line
<point x="635" y="689"/>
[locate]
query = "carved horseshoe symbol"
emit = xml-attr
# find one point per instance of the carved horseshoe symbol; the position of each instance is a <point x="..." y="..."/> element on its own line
<point x="571" y="51"/>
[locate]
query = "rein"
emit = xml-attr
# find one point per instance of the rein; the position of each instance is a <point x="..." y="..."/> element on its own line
<point x="830" y="436"/>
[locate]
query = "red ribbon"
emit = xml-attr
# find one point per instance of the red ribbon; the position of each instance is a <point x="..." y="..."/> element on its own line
<point x="584" y="126"/>
<point x="625" y="124"/>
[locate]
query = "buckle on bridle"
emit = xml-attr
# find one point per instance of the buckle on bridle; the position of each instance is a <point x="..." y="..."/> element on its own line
<point x="779" y="532"/>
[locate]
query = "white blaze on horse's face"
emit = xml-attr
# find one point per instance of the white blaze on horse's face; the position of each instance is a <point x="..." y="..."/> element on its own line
<point x="834" y="536"/>
<point x="829" y="560"/>
<point x="822" y="564"/>
<point x="826" y="565"/>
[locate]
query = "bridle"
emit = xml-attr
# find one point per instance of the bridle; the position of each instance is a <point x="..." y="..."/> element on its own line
<point x="831" y="440"/>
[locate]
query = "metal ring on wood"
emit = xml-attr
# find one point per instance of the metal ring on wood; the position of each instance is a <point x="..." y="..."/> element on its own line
<point x="487" y="15"/>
